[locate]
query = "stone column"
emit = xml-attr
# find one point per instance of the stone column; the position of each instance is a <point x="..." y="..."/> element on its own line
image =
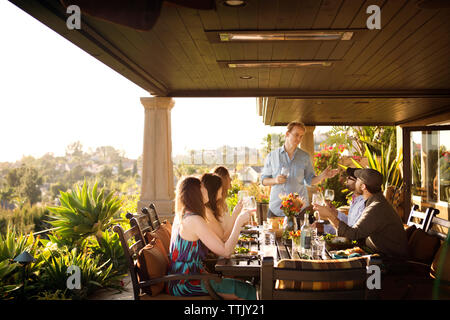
<point x="157" y="171"/>
<point x="307" y="143"/>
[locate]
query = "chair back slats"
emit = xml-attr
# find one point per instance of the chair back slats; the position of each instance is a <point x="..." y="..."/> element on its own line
<point x="319" y="295"/>
<point x="124" y="237"/>
<point x="135" y="247"/>
<point x="423" y="217"/>
<point x="130" y="233"/>
<point x="270" y="274"/>
<point x="151" y="212"/>
<point x="320" y="275"/>
<point x="435" y="221"/>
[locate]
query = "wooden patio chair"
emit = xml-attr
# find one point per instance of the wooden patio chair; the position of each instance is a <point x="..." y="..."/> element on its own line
<point x="314" y="279"/>
<point x="151" y="212"/>
<point x="438" y="223"/>
<point x="423" y="218"/>
<point x="141" y="289"/>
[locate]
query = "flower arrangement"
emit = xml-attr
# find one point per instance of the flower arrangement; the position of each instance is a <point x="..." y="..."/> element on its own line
<point x="295" y="235"/>
<point x="263" y="198"/>
<point x="291" y="204"/>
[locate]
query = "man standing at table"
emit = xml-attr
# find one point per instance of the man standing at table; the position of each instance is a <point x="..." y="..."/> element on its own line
<point x="297" y="170"/>
<point x="379" y="224"/>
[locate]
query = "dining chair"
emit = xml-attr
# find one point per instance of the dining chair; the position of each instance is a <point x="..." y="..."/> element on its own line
<point x="314" y="279"/>
<point x="151" y="212"/>
<point x="423" y="218"/>
<point x="133" y="247"/>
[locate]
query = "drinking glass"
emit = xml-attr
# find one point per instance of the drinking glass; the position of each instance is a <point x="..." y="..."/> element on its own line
<point x="329" y="194"/>
<point x="250" y="205"/>
<point x="318" y="246"/>
<point x="317" y="198"/>
<point x="269" y="245"/>
<point x="285" y="171"/>
<point x="242" y="195"/>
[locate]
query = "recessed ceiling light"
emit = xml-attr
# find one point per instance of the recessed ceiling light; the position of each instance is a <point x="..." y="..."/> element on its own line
<point x="234" y="3"/>
<point x="278" y="64"/>
<point x="246" y="77"/>
<point x="284" y="35"/>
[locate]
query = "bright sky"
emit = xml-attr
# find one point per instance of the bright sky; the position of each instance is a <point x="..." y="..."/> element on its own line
<point x="53" y="94"/>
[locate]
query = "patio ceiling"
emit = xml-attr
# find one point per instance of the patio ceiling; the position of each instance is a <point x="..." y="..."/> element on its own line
<point x="396" y="75"/>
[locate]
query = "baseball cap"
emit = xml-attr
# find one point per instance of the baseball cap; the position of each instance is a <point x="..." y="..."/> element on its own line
<point x="370" y="177"/>
<point x="351" y="172"/>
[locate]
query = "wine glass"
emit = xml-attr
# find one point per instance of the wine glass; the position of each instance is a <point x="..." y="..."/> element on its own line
<point x="285" y="172"/>
<point x="242" y="195"/>
<point x="317" y="198"/>
<point x="250" y="205"/>
<point x="329" y="195"/>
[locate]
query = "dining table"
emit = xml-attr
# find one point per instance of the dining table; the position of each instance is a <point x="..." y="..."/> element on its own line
<point x="248" y="266"/>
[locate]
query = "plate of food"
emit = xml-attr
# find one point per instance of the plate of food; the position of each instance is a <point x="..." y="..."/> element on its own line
<point x="249" y="229"/>
<point x="245" y="238"/>
<point x="334" y="242"/>
<point x="348" y="253"/>
<point x="242" y="252"/>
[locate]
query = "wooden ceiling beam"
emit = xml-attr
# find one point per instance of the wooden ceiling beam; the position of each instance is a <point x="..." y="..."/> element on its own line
<point x="294" y="94"/>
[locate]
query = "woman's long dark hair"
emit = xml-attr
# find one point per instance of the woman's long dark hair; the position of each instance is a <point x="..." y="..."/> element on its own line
<point x="189" y="197"/>
<point x="213" y="183"/>
<point x="223" y="173"/>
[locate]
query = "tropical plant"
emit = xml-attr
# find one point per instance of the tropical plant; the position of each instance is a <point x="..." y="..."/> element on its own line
<point x="329" y="156"/>
<point x="57" y="295"/>
<point x="53" y="275"/>
<point x="110" y="249"/>
<point x="12" y="275"/>
<point x="391" y="170"/>
<point x="356" y="138"/>
<point x="84" y="212"/>
<point x="7" y="269"/>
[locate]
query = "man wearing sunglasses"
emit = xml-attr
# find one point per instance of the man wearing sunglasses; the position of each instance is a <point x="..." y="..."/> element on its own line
<point x="379" y="224"/>
<point x="356" y="207"/>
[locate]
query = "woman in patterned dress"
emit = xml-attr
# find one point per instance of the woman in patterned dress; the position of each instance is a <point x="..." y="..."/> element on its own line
<point x="193" y="238"/>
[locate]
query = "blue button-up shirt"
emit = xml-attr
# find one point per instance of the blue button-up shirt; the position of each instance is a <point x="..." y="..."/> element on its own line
<point x="301" y="172"/>
<point x="354" y="213"/>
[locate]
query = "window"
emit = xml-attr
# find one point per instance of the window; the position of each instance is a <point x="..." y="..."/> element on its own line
<point x="430" y="165"/>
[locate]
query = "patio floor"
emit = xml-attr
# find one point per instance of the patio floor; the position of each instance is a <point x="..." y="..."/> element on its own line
<point x="105" y="294"/>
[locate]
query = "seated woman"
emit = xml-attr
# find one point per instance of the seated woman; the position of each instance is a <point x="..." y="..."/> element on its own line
<point x="194" y="239"/>
<point x="214" y="208"/>
<point x="228" y="219"/>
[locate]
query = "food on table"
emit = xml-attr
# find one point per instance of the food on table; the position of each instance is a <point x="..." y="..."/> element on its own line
<point x="246" y="238"/>
<point x="241" y="250"/>
<point x="334" y="242"/>
<point x="349" y="252"/>
<point x="245" y="251"/>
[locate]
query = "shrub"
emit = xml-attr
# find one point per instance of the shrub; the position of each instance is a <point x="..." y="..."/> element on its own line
<point x="330" y="156"/>
<point x="85" y="212"/>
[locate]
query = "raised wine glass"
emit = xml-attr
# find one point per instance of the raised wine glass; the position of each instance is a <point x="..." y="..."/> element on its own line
<point x="250" y="205"/>
<point x="317" y="198"/>
<point x="329" y="194"/>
